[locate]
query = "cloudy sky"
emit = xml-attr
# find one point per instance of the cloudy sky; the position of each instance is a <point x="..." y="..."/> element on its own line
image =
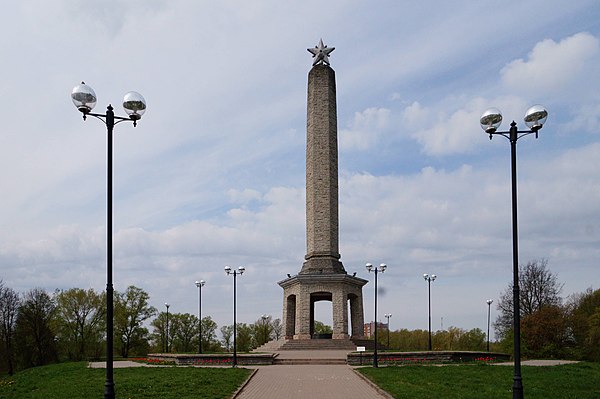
<point x="214" y="173"/>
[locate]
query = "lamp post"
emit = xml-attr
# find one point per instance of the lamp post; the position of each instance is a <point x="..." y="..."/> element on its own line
<point x="84" y="98"/>
<point x="489" y="302"/>
<point x="387" y="316"/>
<point x="376" y="270"/>
<point x="200" y="284"/>
<point x="167" y="340"/>
<point x="429" y="279"/>
<point x="240" y="270"/>
<point x="535" y="117"/>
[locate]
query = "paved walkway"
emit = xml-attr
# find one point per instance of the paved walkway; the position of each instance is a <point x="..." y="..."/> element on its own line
<point x="308" y="381"/>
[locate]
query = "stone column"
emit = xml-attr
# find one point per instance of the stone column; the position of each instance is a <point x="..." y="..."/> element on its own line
<point x="303" y="314"/>
<point x="322" y="224"/>
<point x="340" y="314"/>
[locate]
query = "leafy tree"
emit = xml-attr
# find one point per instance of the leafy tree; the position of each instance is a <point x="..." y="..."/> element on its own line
<point x="35" y="329"/>
<point x="262" y="330"/>
<point x="183" y="328"/>
<point x="544" y="332"/>
<point x="131" y="311"/>
<point x="584" y="322"/>
<point x="81" y="316"/>
<point x="538" y="286"/>
<point x="245" y="338"/>
<point x="322" y="328"/>
<point x="209" y="335"/>
<point x="9" y="306"/>
<point x="227" y="334"/>
<point x="159" y="333"/>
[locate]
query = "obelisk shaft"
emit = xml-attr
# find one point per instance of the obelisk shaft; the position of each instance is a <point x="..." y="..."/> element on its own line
<point x="322" y="224"/>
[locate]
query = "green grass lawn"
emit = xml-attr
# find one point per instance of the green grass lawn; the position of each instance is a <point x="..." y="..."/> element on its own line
<point x="485" y="381"/>
<point x="75" y="380"/>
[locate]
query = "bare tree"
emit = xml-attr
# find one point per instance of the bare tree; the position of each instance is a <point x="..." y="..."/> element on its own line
<point x="9" y="306"/>
<point x="539" y="287"/>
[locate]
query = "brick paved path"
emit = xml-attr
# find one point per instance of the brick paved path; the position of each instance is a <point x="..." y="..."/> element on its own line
<point x="307" y="381"/>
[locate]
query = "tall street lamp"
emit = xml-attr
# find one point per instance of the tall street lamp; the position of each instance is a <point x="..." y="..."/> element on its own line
<point x="387" y="316"/>
<point x="167" y="305"/>
<point x="429" y="279"/>
<point x="381" y="269"/>
<point x="240" y="270"/>
<point x="200" y="284"/>
<point x="535" y="117"/>
<point x="85" y="99"/>
<point x="489" y="302"/>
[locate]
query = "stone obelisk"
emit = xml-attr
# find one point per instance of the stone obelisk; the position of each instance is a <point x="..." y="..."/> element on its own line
<point x="322" y="277"/>
<point x="322" y="220"/>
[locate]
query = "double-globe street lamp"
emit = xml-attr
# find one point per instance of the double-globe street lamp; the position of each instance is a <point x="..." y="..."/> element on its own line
<point x="85" y="99"/>
<point x="167" y="340"/>
<point x="489" y="303"/>
<point x="387" y="316"/>
<point x="200" y="284"/>
<point x="429" y="279"/>
<point x="240" y="270"/>
<point x="535" y="117"/>
<point x="376" y="270"/>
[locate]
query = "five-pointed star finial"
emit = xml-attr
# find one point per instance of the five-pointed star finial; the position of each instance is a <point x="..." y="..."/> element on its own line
<point x="321" y="53"/>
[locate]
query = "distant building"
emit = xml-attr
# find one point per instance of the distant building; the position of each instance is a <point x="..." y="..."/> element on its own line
<point x="370" y="328"/>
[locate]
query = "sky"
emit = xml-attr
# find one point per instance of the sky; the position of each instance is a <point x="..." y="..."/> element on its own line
<point x="214" y="173"/>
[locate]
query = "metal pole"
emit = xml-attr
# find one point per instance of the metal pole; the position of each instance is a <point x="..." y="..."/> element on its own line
<point x="488" y="332"/>
<point x="234" y="322"/>
<point x="375" y="364"/>
<point x="429" y="291"/>
<point x="109" y="385"/>
<point x="388" y="325"/>
<point x="200" y="318"/>
<point x="167" y="329"/>
<point x="517" y="380"/>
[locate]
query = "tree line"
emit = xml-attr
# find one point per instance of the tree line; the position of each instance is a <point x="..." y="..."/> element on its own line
<point x="38" y="328"/>
<point x="551" y="326"/>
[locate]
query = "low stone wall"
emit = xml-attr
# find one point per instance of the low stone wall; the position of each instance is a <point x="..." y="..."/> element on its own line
<point x="214" y="359"/>
<point x="400" y="358"/>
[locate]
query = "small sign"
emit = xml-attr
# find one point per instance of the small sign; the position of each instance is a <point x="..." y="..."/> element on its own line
<point x="360" y="348"/>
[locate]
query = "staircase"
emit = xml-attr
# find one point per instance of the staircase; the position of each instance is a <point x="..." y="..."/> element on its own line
<point x="316" y="344"/>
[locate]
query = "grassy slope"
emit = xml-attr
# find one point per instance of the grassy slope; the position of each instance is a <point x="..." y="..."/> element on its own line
<point x="75" y="380"/>
<point x="576" y="381"/>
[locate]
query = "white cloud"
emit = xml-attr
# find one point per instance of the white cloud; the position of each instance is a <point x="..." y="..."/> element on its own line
<point x="550" y="67"/>
<point x="364" y="130"/>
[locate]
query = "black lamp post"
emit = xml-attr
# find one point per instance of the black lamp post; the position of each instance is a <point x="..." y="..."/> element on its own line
<point x="240" y="270"/>
<point x="387" y="316"/>
<point x="429" y="279"/>
<point x="85" y="99"/>
<point x="167" y="340"/>
<point x="200" y="284"/>
<point x="265" y="320"/>
<point x="535" y="117"/>
<point x="381" y="269"/>
<point x="489" y="302"/>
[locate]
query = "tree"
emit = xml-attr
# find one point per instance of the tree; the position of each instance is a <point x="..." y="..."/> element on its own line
<point x="539" y="287"/>
<point x="544" y="333"/>
<point x="35" y="329"/>
<point x="322" y="328"/>
<point x="209" y="335"/>
<point x="131" y="310"/>
<point x="227" y="334"/>
<point x="159" y="334"/>
<point x="584" y="321"/>
<point x="81" y="316"/>
<point x="9" y="306"/>
<point x="262" y="330"/>
<point x="184" y="330"/>
<point x="277" y="328"/>
<point x="245" y="339"/>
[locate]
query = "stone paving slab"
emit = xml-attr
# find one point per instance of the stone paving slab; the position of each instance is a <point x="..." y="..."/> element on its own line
<point x="308" y="381"/>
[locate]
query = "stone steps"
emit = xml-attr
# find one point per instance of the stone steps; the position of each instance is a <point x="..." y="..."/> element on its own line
<point x="288" y="362"/>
